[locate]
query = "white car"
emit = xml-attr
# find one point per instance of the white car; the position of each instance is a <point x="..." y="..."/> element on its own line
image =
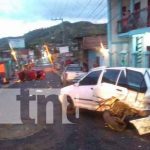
<point x="57" y="66"/>
<point x="70" y="73"/>
<point x="130" y="85"/>
<point x="78" y="78"/>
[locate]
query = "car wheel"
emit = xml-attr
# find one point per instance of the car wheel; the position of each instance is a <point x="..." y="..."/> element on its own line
<point x="113" y="122"/>
<point x="70" y="107"/>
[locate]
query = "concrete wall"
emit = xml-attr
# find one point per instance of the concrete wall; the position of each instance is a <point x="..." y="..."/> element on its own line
<point x="123" y="48"/>
<point x="118" y="45"/>
<point x="143" y="3"/>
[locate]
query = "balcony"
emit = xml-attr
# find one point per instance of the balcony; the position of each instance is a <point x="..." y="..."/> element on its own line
<point x="135" y="20"/>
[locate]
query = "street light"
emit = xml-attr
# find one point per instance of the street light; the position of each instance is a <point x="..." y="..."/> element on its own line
<point x="49" y="55"/>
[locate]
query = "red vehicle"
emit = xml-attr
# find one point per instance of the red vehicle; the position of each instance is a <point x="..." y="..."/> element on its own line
<point x="31" y="75"/>
<point x="22" y="75"/>
<point x="28" y="75"/>
<point x="40" y="74"/>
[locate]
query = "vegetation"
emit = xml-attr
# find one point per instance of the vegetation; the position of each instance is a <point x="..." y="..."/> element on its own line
<point x="54" y="34"/>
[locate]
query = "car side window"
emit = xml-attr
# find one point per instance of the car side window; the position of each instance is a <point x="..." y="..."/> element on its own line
<point x="73" y="69"/>
<point x="110" y="76"/>
<point x="91" y="78"/>
<point x="122" y="80"/>
<point x="136" y="81"/>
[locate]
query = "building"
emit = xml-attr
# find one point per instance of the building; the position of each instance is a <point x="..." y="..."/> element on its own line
<point x="93" y="50"/>
<point x="129" y="32"/>
<point x="6" y="64"/>
<point x="14" y="57"/>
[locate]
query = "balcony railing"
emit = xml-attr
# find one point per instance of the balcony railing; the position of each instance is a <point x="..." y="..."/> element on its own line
<point x="135" y="20"/>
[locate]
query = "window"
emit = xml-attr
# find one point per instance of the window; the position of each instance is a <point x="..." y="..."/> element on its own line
<point x="135" y="81"/>
<point x="110" y="76"/>
<point x="91" y="78"/>
<point x="73" y="69"/>
<point x="124" y="9"/>
<point x="137" y="6"/>
<point x="122" y="80"/>
<point x="148" y="56"/>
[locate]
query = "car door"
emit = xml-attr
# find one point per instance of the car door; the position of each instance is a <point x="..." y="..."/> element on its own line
<point x="84" y="96"/>
<point x="137" y="88"/>
<point x="108" y="87"/>
<point x="121" y="86"/>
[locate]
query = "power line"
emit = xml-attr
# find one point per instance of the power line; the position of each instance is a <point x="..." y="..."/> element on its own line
<point x="98" y="17"/>
<point x="94" y="5"/>
<point x="96" y="8"/>
<point x="100" y="14"/>
<point x="64" y="9"/>
<point x="75" y="6"/>
<point x="84" y="8"/>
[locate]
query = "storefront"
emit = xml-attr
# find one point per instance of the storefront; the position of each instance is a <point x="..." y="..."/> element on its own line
<point x="6" y="68"/>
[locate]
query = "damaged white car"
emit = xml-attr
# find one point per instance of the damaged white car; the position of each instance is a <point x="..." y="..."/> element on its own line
<point x="118" y="92"/>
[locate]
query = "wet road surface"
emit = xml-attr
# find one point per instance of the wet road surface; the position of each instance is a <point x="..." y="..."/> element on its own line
<point x="89" y="132"/>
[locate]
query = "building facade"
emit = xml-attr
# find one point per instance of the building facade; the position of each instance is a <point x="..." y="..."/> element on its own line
<point x="93" y="50"/>
<point x="129" y="32"/>
<point x="6" y="64"/>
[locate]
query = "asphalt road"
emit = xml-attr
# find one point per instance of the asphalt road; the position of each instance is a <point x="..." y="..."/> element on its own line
<point x="89" y="132"/>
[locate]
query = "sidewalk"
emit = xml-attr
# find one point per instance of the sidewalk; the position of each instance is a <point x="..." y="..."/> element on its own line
<point x="11" y="82"/>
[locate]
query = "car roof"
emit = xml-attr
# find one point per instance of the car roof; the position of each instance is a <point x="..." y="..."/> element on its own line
<point x="130" y="68"/>
<point x="73" y="65"/>
<point x="98" y="68"/>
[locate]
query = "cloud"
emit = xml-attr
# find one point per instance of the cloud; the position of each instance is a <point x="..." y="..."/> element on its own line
<point x="18" y="27"/>
<point x="47" y="9"/>
<point x="24" y="15"/>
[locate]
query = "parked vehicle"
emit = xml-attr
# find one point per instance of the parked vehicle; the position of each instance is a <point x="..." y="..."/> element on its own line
<point x="28" y="75"/>
<point x="57" y="66"/>
<point x="102" y="88"/>
<point x="78" y="78"/>
<point x="40" y="74"/>
<point x="70" y="72"/>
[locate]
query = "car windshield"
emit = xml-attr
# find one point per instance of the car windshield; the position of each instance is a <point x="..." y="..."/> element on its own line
<point x="73" y="69"/>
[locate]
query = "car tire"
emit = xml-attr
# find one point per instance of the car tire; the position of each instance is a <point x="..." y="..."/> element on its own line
<point x="114" y="122"/>
<point x="70" y="107"/>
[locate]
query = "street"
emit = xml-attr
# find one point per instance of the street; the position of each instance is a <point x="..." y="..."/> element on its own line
<point x="89" y="132"/>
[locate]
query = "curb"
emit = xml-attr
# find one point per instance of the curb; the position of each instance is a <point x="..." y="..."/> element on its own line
<point x="9" y="84"/>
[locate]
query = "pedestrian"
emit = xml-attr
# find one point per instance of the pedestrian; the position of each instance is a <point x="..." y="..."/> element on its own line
<point x="85" y="67"/>
<point x="95" y="65"/>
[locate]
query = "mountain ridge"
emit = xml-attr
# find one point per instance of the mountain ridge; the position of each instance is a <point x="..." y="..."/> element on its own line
<point x="54" y="34"/>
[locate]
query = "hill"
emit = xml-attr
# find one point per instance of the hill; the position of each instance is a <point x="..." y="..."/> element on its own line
<point x="54" y="34"/>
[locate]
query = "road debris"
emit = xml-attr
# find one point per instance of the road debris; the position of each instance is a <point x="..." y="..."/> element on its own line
<point x="142" y="125"/>
<point x="116" y="112"/>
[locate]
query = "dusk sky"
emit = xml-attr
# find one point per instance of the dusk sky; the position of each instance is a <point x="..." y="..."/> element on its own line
<point x="18" y="17"/>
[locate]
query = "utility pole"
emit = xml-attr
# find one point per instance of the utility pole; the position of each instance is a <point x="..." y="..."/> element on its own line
<point x="63" y="33"/>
